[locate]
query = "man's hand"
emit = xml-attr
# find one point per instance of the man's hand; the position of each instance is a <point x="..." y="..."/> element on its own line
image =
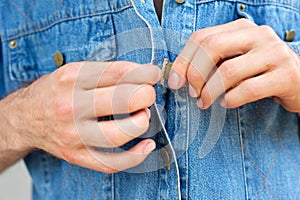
<point x="59" y="113"/>
<point x="246" y="61"/>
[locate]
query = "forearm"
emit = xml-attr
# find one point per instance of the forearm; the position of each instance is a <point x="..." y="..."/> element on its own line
<point x="14" y="145"/>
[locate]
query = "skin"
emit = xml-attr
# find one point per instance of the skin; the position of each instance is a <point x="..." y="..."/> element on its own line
<point x="58" y="114"/>
<point x="239" y="62"/>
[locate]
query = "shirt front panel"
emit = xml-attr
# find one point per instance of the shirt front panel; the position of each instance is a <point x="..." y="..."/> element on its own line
<point x="254" y="152"/>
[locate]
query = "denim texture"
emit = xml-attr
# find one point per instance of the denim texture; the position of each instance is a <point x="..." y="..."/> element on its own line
<point x="257" y="155"/>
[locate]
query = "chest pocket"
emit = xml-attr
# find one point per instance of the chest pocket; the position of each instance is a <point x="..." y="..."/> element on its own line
<point x="282" y="15"/>
<point x="78" y="33"/>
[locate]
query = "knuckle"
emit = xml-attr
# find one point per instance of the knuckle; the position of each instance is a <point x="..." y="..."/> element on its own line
<point x="267" y="31"/>
<point x="126" y="68"/>
<point x="211" y="42"/>
<point x="292" y="75"/>
<point x="67" y="74"/>
<point x="206" y="96"/>
<point x="194" y="76"/>
<point x="250" y="89"/>
<point x="197" y="35"/>
<point x="228" y="70"/>
<point x="283" y="50"/>
<point x="181" y="61"/>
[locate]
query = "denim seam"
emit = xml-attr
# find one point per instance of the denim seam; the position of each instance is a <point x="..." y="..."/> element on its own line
<point x="255" y="4"/>
<point x="188" y="126"/>
<point x="166" y="135"/>
<point x="113" y="187"/>
<point x="187" y="148"/>
<point x="150" y="29"/>
<point x="172" y="151"/>
<point x="4" y="39"/>
<point x="242" y="153"/>
<point x="9" y="67"/>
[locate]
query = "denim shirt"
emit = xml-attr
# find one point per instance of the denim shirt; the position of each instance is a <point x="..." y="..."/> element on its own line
<point x="251" y="152"/>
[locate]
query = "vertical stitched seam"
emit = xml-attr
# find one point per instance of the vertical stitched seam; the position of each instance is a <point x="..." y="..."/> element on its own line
<point x="187" y="147"/>
<point x="167" y="136"/>
<point x="172" y="150"/>
<point x="112" y="187"/>
<point x="150" y="29"/>
<point x="242" y="153"/>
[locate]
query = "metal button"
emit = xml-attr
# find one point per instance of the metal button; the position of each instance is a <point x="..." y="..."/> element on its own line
<point x="180" y="1"/>
<point x="13" y="44"/>
<point x="165" y="155"/>
<point x="290" y="35"/>
<point x="242" y="7"/>
<point x="58" y="59"/>
<point x="166" y="68"/>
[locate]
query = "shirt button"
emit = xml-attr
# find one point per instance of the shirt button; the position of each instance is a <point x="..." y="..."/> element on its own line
<point x="242" y="7"/>
<point x="13" y="44"/>
<point x="165" y="155"/>
<point x="180" y="1"/>
<point x="58" y="59"/>
<point x="166" y="68"/>
<point x="290" y="35"/>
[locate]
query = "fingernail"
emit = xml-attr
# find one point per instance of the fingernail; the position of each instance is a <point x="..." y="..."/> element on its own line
<point x="223" y="103"/>
<point x="173" y="81"/>
<point x="192" y="91"/>
<point x="149" y="147"/>
<point x="200" y="103"/>
<point x="148" y="112"/>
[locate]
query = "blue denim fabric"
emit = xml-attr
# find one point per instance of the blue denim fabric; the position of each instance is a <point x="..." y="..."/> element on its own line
<point x="257" y="154"/>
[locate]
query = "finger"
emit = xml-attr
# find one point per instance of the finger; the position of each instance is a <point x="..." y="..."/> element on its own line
<point x="256" y="88"/>
<point x="179" y="69"/>
<point x="124" y="98"/>
<point x="113" y="100"/>
<point x="114" y="133"/>
<point x="113" y="162"/>
<point x="237" y="69"/>
<point x="103" y="74"/>
<point x="216" y="48"/>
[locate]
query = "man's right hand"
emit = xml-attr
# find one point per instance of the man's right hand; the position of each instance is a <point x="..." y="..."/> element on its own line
<point x="58" y="113"/>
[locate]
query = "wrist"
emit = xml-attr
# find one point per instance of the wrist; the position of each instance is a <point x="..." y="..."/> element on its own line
<point x="14" y="136"/>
